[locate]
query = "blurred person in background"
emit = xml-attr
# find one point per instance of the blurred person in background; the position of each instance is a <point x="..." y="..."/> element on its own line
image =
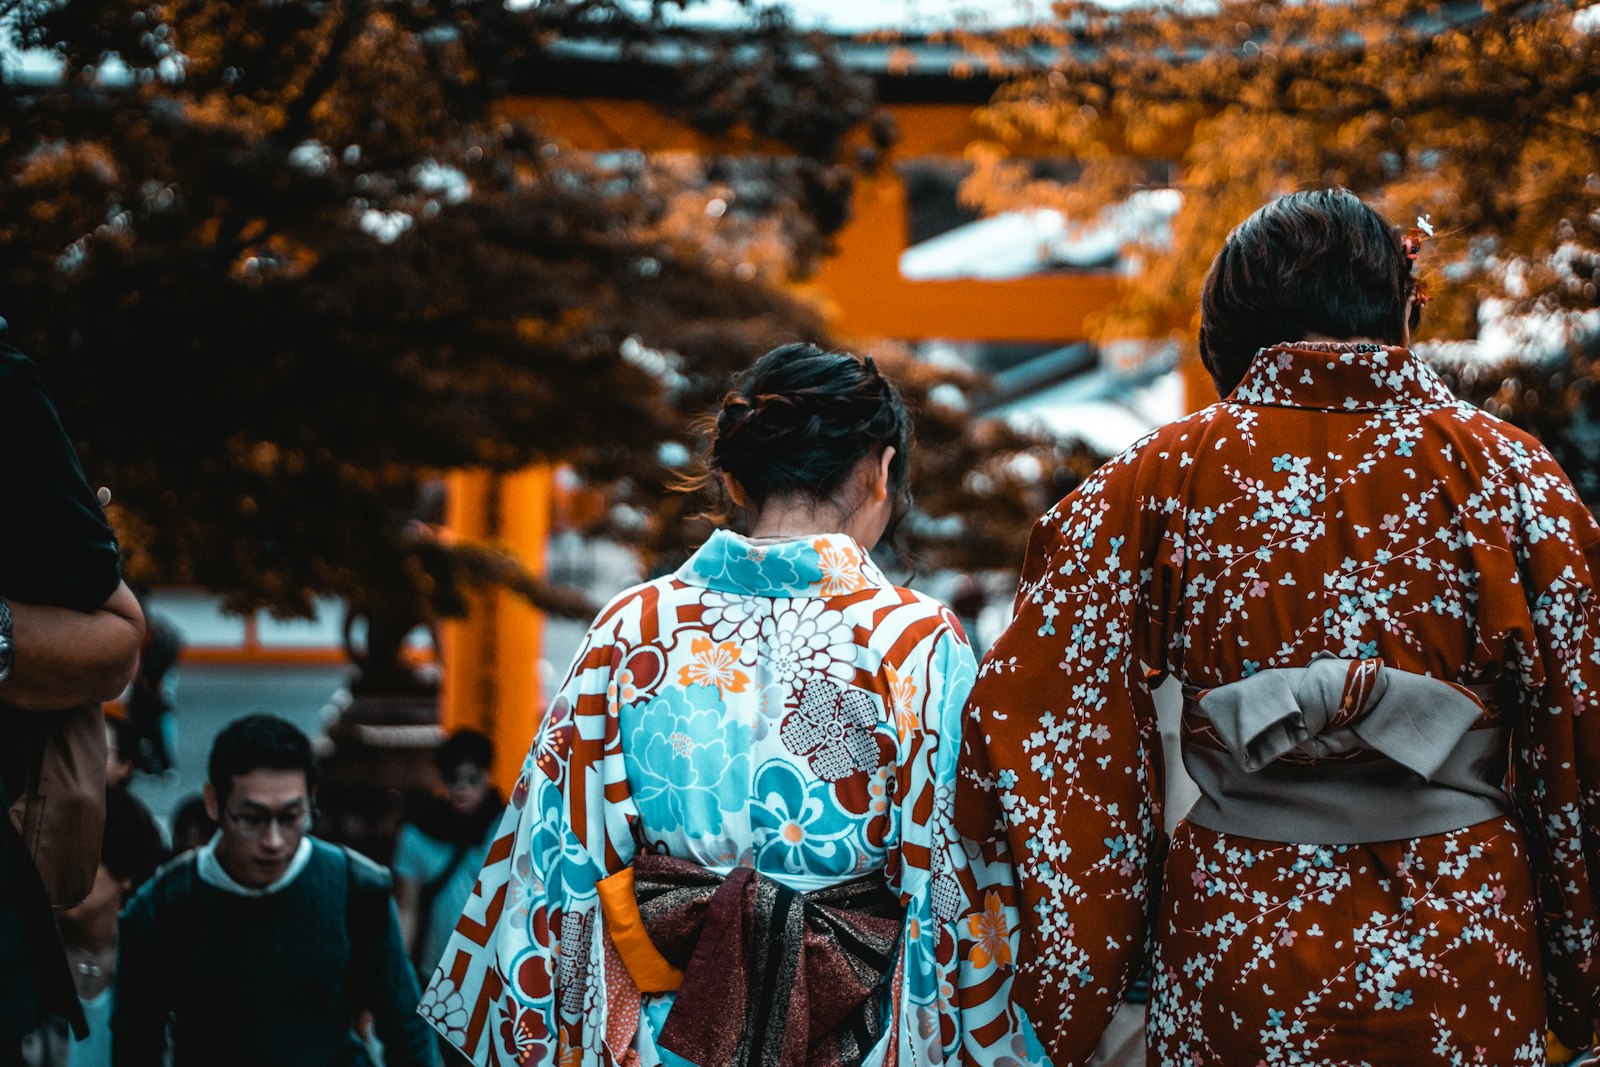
<point x="119" y="752"/>
<point x="265" y="946"/>
<point x="151" y="699"/>
<point x="191" y="825"/>
<point x="732" y="841"/>
<point x="70" y="631"/>
<point x="130" y="854"/>
<point x="968" y="601"/>
<point x="442" y="846"/>
<point x="119" y="776"/>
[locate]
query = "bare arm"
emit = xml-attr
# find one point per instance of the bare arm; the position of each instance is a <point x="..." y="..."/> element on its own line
<point x="63" y="657"/>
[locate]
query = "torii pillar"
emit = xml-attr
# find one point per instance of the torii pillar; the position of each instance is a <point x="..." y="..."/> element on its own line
<point x="491" y="658"/>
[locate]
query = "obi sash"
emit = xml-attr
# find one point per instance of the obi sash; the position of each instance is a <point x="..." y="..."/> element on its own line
<point x="1343" y="752"/>
<point x="766" y="976"/>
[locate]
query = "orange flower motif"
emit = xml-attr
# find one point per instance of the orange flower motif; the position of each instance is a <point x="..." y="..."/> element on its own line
<point x="714" y="665"/>
<point x="841" y="569"/>
<point x="620" y="690"/>
<point x="902" y="701"/>
<point x="990" y="930"/>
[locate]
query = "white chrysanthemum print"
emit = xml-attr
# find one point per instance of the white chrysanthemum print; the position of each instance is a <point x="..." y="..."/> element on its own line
<point x="727" y="616"/>
<point x="803" y="639"/>
<point x="445" y="1010"/>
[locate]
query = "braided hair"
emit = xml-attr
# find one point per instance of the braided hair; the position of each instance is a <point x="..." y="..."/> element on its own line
<point x="800" y="420"/>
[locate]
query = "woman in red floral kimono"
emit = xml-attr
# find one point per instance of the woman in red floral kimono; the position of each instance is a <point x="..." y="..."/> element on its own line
<point x="1381" y="604"/>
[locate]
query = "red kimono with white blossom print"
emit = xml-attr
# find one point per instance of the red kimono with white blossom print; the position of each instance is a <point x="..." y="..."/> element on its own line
<point x="1340" y="501"/>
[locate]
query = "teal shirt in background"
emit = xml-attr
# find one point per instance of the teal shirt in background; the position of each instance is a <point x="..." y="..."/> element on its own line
<point x="422" y="858"/>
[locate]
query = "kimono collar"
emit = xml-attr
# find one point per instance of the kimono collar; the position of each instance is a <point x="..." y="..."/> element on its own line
<point x="822" y="565"/>
<point x="1340" y="376"/>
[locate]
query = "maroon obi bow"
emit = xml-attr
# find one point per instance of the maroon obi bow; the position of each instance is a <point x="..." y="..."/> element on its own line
<point x="771" y="977"/>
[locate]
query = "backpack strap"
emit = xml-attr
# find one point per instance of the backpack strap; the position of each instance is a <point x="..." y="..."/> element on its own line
<point x="179" y="912"/>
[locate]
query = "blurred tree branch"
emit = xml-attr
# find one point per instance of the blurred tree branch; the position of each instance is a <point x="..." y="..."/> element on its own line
<point x="282" y="259"/>
<point x="1479" y="115"/>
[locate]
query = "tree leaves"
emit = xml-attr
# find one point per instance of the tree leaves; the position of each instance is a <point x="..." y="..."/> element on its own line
<point x="1480" y="115"/>
<point x="276" y="259"/>
<point x="282" y="260"/>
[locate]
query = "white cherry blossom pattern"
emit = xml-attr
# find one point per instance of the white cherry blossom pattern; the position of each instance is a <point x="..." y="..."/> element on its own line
<point x="1339" y="501"/>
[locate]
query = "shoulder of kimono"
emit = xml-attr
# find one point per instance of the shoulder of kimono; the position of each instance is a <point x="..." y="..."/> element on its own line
<point x="1154" y="458"/>
<point x="910" y="606"/>
<point x="1474" y="429"/>
<point x="642" y="597"/>
<point x="1480" y="422"/>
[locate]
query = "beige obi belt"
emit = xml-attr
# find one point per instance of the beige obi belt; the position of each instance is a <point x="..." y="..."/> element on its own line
<point x="1343" y="752"/>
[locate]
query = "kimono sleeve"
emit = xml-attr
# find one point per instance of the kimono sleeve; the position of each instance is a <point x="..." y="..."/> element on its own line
<point x="1062" y="749"/>
<point x="960" y="937"/>
<point x="1555" y="759"/>
<point x="524" y="977"/>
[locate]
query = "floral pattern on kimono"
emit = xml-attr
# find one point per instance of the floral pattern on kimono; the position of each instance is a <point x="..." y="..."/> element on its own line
<point x="1340" y="501"/>
<point x="776" y="706"/>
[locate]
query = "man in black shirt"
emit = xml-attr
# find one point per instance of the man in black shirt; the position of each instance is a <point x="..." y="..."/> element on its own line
<point x="265" y="945"/>
<point x="69" y="635"/>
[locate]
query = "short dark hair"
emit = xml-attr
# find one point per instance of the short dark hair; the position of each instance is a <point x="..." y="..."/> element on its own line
<point x="1314" y="262"/>
<point x="259" y="742"/>
<point x="800" y="420"/>
<point x="463" y="746"/>
<point x="191" y="818"/>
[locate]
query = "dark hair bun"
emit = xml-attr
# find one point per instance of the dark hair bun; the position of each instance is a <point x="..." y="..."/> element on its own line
<point x="802" y="418"/>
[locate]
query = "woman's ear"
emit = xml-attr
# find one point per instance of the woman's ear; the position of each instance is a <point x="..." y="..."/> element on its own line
<point x="880" y="474"/>
<point x="735" y="490"/>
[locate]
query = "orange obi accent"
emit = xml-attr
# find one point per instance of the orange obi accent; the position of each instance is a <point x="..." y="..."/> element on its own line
<point x="1557" y="1053"/>
<point x="650" y="970"/>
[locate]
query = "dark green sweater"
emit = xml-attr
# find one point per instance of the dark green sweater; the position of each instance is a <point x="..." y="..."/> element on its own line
<point x="266" y="981"/>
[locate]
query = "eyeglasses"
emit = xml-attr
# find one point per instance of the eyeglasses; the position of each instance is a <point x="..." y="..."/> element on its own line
<point x="253" y="824"/>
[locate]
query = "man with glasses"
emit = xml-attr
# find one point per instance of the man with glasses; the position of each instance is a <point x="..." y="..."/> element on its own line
<point x="266" y="945"/>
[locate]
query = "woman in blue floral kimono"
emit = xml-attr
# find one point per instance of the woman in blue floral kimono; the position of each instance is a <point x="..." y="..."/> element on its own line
<point x="732" y="841"/>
